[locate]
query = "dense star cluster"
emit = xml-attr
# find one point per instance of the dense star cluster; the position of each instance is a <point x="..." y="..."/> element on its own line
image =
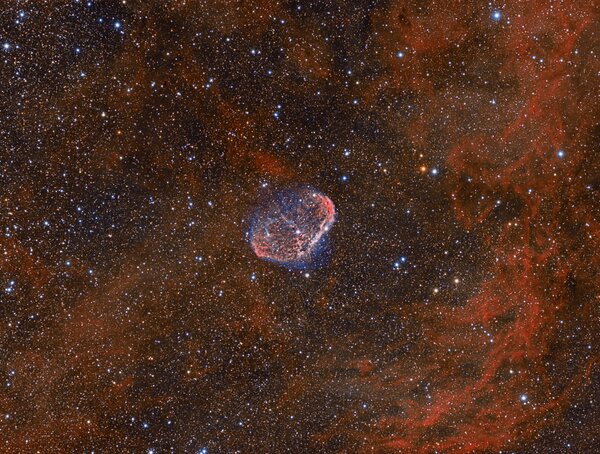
<point x="458" y="310"/>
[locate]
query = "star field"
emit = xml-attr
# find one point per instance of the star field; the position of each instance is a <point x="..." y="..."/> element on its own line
<point x="457" y="310"/>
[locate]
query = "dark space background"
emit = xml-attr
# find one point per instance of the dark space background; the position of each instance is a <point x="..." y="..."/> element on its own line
<point x="460" y="308"/>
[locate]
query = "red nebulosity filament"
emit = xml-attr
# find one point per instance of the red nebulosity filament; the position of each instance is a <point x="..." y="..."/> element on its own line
<point x="482" y="376"/>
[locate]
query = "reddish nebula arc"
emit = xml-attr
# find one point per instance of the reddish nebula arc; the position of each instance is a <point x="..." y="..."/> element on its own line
<point x="292" y="226"/>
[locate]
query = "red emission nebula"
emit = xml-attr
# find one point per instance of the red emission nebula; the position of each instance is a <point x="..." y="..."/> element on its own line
<point x="300" y="227"/>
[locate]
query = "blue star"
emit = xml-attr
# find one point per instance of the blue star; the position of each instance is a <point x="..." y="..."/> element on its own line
<point x="10" y="287"/>
<point x="561" y="154"/>
<point x="496" y="15"/>
<point x="398" y="263"/>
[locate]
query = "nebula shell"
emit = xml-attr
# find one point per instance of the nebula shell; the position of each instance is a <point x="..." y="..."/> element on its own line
<point x="292" y="226"/>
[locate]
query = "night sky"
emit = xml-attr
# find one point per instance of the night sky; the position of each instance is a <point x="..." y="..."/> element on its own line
<point x="323" y="226"/>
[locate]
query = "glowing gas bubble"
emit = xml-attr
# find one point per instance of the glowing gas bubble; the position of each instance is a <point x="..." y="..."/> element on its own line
<point x="292" y="226"/>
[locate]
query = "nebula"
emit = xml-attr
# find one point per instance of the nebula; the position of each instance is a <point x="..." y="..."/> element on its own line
<point x="291" y="227"/>
<point x="307" y="226"/>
